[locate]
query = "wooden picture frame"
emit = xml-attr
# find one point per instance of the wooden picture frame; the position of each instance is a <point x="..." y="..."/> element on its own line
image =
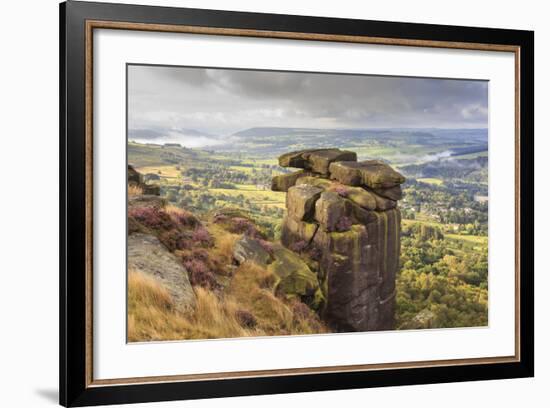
<point x="78" y="20"/>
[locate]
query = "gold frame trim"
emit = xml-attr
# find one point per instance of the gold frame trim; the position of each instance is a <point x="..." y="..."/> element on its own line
<point x="99" y="24"/>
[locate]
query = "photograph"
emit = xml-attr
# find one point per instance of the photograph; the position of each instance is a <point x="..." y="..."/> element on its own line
<point x="284" y="203"/>
<point x="255" y="203"/>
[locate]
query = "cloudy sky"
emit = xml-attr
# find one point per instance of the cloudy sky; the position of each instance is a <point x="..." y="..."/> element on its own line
<point x="193" y="103"/>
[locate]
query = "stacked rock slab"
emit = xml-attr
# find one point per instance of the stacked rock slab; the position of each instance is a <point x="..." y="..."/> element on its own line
<point x="344" y="213"/>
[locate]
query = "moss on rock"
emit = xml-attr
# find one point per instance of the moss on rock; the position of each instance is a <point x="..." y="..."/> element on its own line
<point x="294" y="231"/>
<point x="362" y="197"/>
<point x="283" y="182"/>
<point x="330" y="209"/>
<point x="300" y="201"/>
<point x="295" y="278"/>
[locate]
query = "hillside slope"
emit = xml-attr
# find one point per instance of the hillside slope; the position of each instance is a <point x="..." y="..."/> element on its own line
<point x="232" y="298"/>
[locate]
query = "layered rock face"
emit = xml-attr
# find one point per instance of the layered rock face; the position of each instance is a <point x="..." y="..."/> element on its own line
<point x="342" y="216"/>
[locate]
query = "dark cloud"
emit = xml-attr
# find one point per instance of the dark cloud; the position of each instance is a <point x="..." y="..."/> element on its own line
<point x="223" y="101"/>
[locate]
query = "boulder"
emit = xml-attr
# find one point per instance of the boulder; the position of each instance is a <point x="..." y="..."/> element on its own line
<point x="383" y="204"/>
<point x="318" y="161"/>
<point x="294" y="159"/>
<point x="283" y="182"/>
<point x="250" y="249"/>
<point x="393" y="193"/>
<point x="358" y="195"/>
<point x="362" y="197"/>
<point x="330" y="208"/>
<point x="294" y="278"/>
<point x="377" y="174"/>
<point x="370" y="173"/>
<point x="300" y="201"/>
<point x="315" y="181"/>
<point x="346" y="172"/>
<point x="147" y="255"/>
<point x="360" y="215"/>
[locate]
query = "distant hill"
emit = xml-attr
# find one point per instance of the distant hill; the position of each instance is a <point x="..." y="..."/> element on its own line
<point x="398" y="145"/>
<point x="152" y="154"/>
<point x="160" y="133"/>
<point x="186" y="137"/>
<point x="473" y="170"/>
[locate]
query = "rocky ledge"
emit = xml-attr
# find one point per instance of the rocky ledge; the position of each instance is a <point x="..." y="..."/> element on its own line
<point x="135" y="179"/>
<point x="342" y="215"/>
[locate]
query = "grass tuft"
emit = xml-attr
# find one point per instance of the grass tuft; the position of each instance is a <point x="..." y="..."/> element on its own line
<point x="134" y="190"/>
<point x="152" y="316"/>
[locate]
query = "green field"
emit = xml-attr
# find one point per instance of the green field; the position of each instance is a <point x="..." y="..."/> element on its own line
<point x="257" y="196"/>
<point x="430" y="180"/>
<point x="161" y="171"/>
<point x="475" y="239"/>
<point x="444" y="244"/>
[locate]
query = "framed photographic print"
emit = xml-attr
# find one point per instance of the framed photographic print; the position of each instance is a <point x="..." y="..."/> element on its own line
<point x="256" y="203"/>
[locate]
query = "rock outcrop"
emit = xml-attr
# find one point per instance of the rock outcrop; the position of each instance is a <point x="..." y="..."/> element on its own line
<point x="294" y="278"/>
<point x="147" y="255"/>
<point x="342" y="217"/>
<point x="250" y="249"/>
<point x="135" y="178"/>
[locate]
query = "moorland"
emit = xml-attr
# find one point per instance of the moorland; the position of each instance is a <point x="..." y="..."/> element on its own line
<point x="443" y="278"/>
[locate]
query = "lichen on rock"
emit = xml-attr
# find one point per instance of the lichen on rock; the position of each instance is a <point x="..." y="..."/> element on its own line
<point x="330" y="209"/>
<point x="393" y="193"/>
<point x="294" y="277"/>
<point x="300" y="201"/>
<point x="316" y="160"/>
<point x="283" y="182"/>
<point x="294" y="231"/>
<point x="370" y="173"/>
<point x="319" y="160"/>
<point x="250" y="249"/>
<point x="351" y="239"/>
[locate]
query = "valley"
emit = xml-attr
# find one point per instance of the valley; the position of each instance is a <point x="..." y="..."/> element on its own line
<point x="444" y="252"/>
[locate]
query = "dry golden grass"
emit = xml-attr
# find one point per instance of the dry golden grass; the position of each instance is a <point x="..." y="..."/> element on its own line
<point x="252" y="288"/>
<point x="224" y="243"/>
<point x="134" y="190"/>
<point x="213" y="318"/>
<point x="172" y="209"/>
<point x="148" y="291"/>
<point x="152" y="314"/>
